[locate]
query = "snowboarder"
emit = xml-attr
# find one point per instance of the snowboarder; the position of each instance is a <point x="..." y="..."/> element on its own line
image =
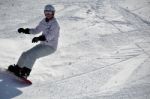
<point x="48" y="43"/>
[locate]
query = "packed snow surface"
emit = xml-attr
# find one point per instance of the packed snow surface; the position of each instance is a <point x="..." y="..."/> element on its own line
<point x="103" y="52"/>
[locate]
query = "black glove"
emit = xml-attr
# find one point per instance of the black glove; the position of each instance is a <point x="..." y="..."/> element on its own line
<point x="40" y="38"/>
<point x="35" y="39"/>
<point x="25" y="31"/>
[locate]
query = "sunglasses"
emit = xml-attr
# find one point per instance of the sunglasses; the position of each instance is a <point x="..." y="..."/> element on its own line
<point x="48" y="12"/>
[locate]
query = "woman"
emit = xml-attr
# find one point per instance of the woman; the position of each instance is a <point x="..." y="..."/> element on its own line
<point x="48" y="43"/>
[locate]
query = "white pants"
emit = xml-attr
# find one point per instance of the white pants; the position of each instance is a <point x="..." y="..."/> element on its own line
<point x="28" y="58"/>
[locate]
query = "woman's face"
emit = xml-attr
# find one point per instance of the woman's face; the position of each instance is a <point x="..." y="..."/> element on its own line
<point x="49" y="14"/>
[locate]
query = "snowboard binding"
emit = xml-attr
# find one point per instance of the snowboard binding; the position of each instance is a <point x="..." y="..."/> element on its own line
<point x="18" y="71"/>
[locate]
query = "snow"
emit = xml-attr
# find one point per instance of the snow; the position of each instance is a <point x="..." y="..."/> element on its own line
<point x="103" y="52"/>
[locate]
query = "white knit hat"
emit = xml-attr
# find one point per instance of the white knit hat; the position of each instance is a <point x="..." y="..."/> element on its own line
<point x="49" y="7"/>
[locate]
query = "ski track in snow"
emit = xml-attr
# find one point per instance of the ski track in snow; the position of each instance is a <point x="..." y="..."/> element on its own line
<point x="103" y="53"/>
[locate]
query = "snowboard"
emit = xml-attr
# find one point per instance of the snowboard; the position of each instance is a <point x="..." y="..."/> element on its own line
<point x="20" y="79"/>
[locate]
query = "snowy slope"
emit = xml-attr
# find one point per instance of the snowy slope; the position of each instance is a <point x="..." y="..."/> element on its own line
<point x="103" y="53"/>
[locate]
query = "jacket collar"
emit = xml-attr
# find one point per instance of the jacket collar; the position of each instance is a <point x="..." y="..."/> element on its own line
<point x="48" y="20"/>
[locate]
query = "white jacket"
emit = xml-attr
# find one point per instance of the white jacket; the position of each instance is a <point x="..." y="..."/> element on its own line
<point x="50" y="30"/>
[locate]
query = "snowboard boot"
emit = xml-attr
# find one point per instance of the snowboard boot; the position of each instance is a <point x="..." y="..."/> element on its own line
<point x="15" y="69"/>
<point x="11" y="68"/>
<point x="25" y="72"/>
